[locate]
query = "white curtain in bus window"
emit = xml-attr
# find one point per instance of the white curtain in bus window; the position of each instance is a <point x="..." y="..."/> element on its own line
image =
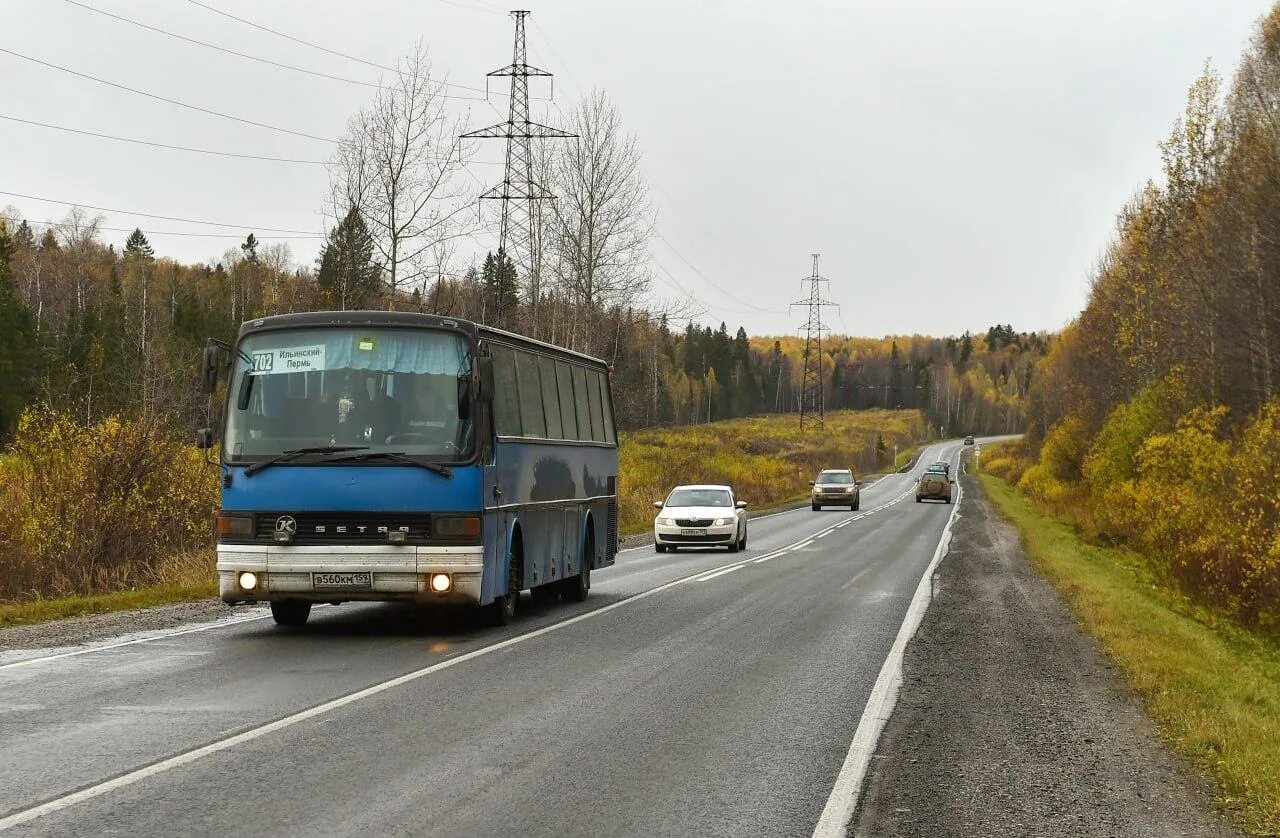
<point x="568" y="413"/>
<point x="379" y="350"/>
<point x="550" y="398"/>
<point x="532" y="422"/>
<point x="593" y="404"/>
<point x="506" y="406"/>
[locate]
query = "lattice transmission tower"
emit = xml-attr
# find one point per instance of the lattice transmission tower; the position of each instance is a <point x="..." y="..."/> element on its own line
<point x="812" y="401"/>
<point x="519" y="191"/>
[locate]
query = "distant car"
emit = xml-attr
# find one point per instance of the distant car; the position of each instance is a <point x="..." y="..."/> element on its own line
<point x="700" y="516"/>
<point x="836" y="487"/>
<point x="968" y="440"/>
<point x="935" y="484"/>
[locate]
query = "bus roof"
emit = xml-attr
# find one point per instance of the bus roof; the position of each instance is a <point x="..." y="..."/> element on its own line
<point x="402" y="319"/>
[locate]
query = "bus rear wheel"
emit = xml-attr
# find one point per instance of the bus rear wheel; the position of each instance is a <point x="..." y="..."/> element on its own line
<point x="290" y="612"/>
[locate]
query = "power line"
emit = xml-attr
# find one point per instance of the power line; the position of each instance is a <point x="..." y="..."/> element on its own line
<point x="287" y="37"/>
<point x="152" y="215"/>
<point x="162" y="145"/>
<point x="192" y="149"/>
<point x="243" y="54"/>
<point x="709" y="281"/>
<point x="176" y="232"/>
<point x="165" y="98"/>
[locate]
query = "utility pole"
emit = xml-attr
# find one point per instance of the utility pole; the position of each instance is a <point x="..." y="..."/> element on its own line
<point x="812" y="403"/>
<point x="518" y="191"/>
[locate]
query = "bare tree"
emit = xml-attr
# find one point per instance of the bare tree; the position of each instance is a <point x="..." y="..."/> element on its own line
<point x="400" y="164"/>
<point x="602" y="216"/>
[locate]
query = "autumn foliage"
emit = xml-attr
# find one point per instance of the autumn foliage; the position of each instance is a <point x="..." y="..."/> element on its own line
<point x="100" y="508"/>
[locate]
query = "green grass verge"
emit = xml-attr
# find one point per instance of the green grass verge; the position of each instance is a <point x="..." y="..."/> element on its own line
<point x="40" y="610"/>
<point x="1212" y="688"/>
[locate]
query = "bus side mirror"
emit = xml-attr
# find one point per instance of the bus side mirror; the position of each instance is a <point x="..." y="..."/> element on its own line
<point x="210" y="358"/>
<point x="204" y="439"/>
<point x="484" y="379"/>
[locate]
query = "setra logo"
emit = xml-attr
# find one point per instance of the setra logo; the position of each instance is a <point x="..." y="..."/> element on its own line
<point x="286" y="524"/>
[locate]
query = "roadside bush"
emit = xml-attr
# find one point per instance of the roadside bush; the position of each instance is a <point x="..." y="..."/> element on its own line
<point x="1054" y="481"/>
<point x="1006" y="460"/>
<point x="100" y="508"/>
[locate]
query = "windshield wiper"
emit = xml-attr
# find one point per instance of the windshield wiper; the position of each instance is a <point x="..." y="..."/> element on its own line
<point x="397" y="456"/>
<point x="298" y="452"/>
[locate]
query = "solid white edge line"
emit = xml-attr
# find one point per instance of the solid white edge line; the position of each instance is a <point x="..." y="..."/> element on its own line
<point x="843" y="801"/>
<point x="77" y="652"/>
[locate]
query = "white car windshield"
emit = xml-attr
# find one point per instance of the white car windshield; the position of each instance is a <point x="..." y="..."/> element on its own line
<point x="699" y="497"/>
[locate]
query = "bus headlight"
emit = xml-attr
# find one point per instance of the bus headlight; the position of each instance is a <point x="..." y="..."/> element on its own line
<point x="441" y="583"/>
<point x="248" y="580"/>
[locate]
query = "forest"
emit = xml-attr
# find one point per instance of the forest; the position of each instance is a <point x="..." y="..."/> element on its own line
<point x="1155" y="417"/>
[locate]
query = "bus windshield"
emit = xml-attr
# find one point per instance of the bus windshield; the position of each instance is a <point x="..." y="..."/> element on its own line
<point x="385" y="390"/>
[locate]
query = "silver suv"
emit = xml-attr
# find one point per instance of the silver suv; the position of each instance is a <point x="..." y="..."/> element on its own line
<point x="835" y="487"/>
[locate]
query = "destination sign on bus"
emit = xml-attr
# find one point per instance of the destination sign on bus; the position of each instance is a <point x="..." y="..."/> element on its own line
<point x="288" y="359"/>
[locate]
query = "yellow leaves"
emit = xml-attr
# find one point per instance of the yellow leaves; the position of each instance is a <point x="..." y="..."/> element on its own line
<point x="94" y="508"/>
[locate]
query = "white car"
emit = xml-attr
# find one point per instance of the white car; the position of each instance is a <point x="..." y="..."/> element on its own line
<point x="700" y="516"/>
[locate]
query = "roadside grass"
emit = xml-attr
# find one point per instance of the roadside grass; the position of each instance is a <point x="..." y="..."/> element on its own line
<point x="767" y="459"/>
<point x="41" y="610"/>
<point x="1211" y="687"/>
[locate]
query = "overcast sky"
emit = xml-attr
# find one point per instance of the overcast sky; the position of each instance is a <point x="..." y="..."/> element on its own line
<point x="956" y="164"/>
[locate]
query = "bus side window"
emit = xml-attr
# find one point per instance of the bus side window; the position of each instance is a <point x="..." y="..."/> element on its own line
<point x="568" y="414"/>
<point x="593" y="398"/>
<point x="580" y="400"/>
<point x="550" y="397"/>
<point x="610" y="434"/>
<point x="532" y="422"/>
<point x="506" y="407"/>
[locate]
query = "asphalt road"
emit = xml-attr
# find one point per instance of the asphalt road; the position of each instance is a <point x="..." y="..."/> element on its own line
<point x="700" y="693"/>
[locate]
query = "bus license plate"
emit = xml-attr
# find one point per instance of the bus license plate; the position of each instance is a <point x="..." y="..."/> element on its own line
<point x="342" y="580"/>
<point x="693" y="532"/>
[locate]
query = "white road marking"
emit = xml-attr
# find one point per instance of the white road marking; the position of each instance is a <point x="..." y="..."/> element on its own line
<point x="843" y="800"/>
<point x="711" y="576"/>
<point x="152" y="639"/>
<point x="801" y="546"/>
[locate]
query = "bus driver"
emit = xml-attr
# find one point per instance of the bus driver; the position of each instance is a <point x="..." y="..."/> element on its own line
<point x="426" y="416"/>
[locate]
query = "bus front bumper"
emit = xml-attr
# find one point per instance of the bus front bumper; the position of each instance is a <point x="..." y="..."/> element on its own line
<point x="393" y="573"/>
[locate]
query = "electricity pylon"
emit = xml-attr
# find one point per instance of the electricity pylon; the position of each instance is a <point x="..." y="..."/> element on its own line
<point x="518" y="190"/>
<point x="812" y="401"/>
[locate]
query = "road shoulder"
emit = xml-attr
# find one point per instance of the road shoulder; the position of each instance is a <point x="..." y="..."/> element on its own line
<point x="1011" y="722"/>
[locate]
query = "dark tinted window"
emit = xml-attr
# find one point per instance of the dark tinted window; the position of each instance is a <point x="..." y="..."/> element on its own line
<point x="568" y="413"/>
<point x="593" y="404"/>
<point x="506" y="405"/>
<point x="550" y="397"/>
<point x="605" y="405"/>
<point x="532" y="422"/>
<point x="580" y="401"/>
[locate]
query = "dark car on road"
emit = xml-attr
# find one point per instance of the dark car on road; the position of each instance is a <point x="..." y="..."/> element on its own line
<point x="968" y="440"/>
<point x="836" y="487"/>
<point x="935" y="484"/>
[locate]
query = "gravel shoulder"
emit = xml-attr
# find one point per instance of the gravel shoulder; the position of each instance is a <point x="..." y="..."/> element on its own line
<point x="1011" y="722"/>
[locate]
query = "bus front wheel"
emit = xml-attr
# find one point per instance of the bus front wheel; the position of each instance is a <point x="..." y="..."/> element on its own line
<point x="290" y="612"/>
<point x="503" y="608"/>
<point x="577" y="587"/>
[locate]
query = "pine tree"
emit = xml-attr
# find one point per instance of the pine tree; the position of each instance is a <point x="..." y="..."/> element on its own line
<point x="137" y="247"/>
<point x="347" y="274"/>
<point x="24" y="238"/>
<point x="18" y="350"/>
<point x="499" y="278"/>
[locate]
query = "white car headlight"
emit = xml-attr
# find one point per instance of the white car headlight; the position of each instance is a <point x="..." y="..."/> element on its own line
<point x="723" y="522"/>
<point x="665" y="522"/>
<point x="851" y="489"/>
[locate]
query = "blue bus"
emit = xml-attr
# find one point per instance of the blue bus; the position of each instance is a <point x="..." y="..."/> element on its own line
<point x="372" y="455"/>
